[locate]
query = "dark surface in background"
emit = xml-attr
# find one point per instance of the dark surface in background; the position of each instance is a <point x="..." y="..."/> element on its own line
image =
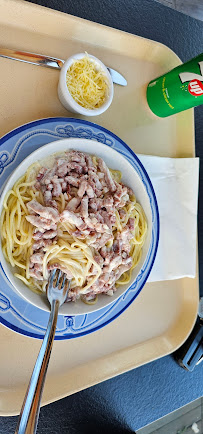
<point x="122" y="404"/>
<point x="134" y="399"/>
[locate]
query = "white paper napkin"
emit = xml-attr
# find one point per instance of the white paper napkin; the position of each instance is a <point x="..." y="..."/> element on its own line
<point x="175" y="181"/>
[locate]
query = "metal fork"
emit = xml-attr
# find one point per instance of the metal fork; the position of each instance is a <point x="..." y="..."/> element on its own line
<point x="57" y="289"/>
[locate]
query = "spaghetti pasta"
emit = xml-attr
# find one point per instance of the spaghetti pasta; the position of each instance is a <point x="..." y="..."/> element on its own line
<point x="77" y="216"/>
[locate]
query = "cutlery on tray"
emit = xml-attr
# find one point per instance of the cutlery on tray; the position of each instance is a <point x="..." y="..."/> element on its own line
<point x="57" y="290"/>
<point x="51" y="62"/>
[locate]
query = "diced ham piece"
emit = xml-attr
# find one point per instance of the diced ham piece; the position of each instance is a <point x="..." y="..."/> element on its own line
<point x="103" y="279"/>
<point x="72" y="218"/>
<point x="72" y="180"/>
<point x="120" y="196"/>
<point x="39" y="244"/>
<point x="95" y="179"/>
<point x="122" y="213"/>
<point x="73" y="294"/>
<point x="90" y="191"/>
<point x="73" y="204"/>
<point x="45" y="235"/>
<point x="77" y="156"/>
<point x="41" y="222"/>
<point x="50" y="187"/>
<point x="90" y="163"/>
<point x="100" y="242"/>
<point x="37" y="185"/>
<point x="95" y="225"/>
<point x="77" y="167"/>
<point x="57" y="189"/>
<point x="117" y="246"/>
<point x="125" y="236"/>
<point x="37" y="258"/>
<point x="44" y="211"/>
<point x="62" y="268"/>
<point x="93" y="270"/>
<point x="131" y="224"/>
<point x="48" y="176"/>
<point x="122" y="269"/>
<point x="41" y="173"/>
<point x="98" y="259"/>
<point x="110" y="182"/>
<point x="84" y="207"/>
<point x="47" y="196"/>
<point x="64" y="186"/>
<point x="82" y="189"/>
<point x="36" y="274"/>
<point x="62" y="169"/>
<point x="114" y="263"/>
<point x="38" y="267"/>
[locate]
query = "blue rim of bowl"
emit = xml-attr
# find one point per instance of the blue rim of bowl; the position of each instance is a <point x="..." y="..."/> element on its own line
<point x="65" y="119"/>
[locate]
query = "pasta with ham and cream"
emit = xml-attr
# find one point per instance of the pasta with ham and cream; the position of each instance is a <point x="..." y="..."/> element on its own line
<point x="75" y="215"/>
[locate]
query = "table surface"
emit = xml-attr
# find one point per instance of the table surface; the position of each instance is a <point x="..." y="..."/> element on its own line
<point x="136" y="398"/>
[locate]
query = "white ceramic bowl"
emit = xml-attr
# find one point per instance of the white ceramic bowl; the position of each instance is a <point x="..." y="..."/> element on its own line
<point x="130" y="177"/>
<point x="68" y="101"/>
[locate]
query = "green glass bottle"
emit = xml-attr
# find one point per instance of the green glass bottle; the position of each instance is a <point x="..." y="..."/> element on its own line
<point x="177" y="90"/>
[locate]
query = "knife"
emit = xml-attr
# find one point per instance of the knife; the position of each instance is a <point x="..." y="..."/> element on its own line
<point x="51" y="62"/>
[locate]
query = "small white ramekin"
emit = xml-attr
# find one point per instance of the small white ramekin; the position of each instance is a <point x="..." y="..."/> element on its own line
<point x="68" y="101"/>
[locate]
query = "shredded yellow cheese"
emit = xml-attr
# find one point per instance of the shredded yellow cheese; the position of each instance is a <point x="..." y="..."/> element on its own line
<point x="87" y="83"/>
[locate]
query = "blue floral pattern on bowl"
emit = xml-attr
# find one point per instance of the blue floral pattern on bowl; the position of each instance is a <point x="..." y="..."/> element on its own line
<point x="15" y="312"/>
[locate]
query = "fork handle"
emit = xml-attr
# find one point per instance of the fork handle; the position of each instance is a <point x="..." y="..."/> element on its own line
<point x="27" y="423"/>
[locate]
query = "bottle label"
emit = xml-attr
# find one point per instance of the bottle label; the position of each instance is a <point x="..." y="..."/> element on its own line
<point x="195" y="87"/>
<point x="178" y="90"/>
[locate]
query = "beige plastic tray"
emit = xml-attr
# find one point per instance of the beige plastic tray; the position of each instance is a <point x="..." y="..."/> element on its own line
<point x="162" y="316"/>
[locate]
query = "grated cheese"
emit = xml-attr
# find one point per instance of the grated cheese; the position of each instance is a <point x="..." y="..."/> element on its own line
<point x="87" y="84"/>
